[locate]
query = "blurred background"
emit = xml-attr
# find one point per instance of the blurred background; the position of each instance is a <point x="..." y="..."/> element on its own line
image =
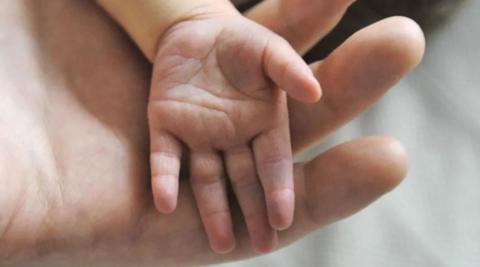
<point x="433" y="218"/>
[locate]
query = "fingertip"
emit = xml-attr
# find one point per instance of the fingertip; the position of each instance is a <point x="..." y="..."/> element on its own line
<point x="220" y="234"/>
<point x="344" y="188"/>
<point x="394" y="168"/>
<point x="315" y="88"/>
<point x="290" y="72"/>
<point x="395" y="44"/>
<point x="263" y="237"/>
<point x="267" y="245"/>
<point x="403" y="41"/>
<point x="307" y="89"/>
<point x="165" y="194"/>
<point x="165" y="206"/>
<point x="223" y="245"/>
<point x="280" y="207"/>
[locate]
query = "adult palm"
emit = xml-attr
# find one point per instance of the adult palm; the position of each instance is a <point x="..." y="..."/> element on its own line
<point x="74" y="183"/>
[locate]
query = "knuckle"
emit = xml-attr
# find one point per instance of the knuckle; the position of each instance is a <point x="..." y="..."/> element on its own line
<point x="255" y="216"/>
<point x="275" y="160"/>
<point x="206" y="172"/>
<point x="216" y="212"/>
<point x="168" y="156"/>
<point x="241" y="171"/>
<point x="280" y="190"/>
<point x="206" y="177"/>
<point x="243" y="180"/>
<point x="241" y="168"/>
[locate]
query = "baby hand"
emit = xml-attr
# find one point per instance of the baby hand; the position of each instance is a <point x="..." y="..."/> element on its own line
<point x="215" y="91"/>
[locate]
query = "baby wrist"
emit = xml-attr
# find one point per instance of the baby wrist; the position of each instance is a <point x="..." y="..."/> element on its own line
<point x="146" y="21"/>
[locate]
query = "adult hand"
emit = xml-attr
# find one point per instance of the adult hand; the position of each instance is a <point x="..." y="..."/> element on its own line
<point x="73" y="159"/>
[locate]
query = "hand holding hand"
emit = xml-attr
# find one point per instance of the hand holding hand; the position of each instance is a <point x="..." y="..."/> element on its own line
<point x="75" y="188"/>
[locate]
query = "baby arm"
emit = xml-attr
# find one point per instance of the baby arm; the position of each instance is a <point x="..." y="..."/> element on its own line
<point x="215" y="90"/>
<point x="147" y="20"/>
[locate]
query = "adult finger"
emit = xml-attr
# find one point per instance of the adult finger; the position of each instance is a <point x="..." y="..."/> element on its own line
<point x="335" y="185"/>
<point x="302" y="22"/>
<point x="344" y="180"/>
<point x="355" y="76"/>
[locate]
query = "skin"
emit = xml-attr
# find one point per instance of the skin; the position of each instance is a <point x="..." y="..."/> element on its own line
<point x="73" y="161"/>
<point x="224" y="113"/>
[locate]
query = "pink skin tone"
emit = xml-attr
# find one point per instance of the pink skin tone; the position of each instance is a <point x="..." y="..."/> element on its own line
<point x="230" y="119"/>
<point x="74" y="171"/>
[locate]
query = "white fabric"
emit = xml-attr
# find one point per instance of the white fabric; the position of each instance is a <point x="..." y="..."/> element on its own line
<point x="433" y="218"/>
